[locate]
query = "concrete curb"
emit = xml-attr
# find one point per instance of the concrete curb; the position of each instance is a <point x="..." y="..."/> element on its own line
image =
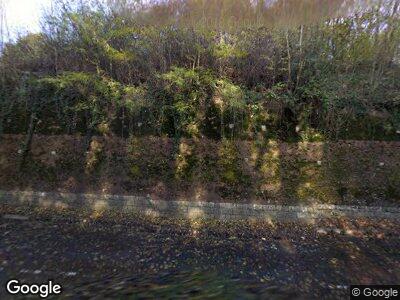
<point x="193" y="210"/>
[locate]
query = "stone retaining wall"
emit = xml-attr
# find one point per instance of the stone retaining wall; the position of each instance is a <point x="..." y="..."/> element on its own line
<point x="192" y="210"/>
<point x="260" y="171"/>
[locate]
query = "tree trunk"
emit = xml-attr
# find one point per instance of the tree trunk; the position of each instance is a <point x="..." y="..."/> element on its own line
<point x="376" y="45"/>
<point x="289" y="70"/>
<point x="301" y="57"/>
<point x="28" y="141"/>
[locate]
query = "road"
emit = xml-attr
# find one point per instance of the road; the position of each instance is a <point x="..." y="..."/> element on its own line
<point x="95" y="255"/>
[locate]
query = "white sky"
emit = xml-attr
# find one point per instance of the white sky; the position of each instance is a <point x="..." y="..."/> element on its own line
<point x="24" y="15"/>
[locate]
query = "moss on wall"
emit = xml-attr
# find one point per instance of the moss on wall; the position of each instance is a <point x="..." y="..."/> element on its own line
<point x="260" y="171"/>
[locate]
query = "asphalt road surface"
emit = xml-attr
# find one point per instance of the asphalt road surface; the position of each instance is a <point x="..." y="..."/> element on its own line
<point x="94" y="255"/>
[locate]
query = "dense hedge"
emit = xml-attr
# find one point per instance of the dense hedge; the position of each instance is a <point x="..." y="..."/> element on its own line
<point x="98" y="70"/>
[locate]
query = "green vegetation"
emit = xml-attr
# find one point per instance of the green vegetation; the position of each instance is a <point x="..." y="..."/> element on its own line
<point x="208" y="96"/>
<point x="124" y="69"/>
